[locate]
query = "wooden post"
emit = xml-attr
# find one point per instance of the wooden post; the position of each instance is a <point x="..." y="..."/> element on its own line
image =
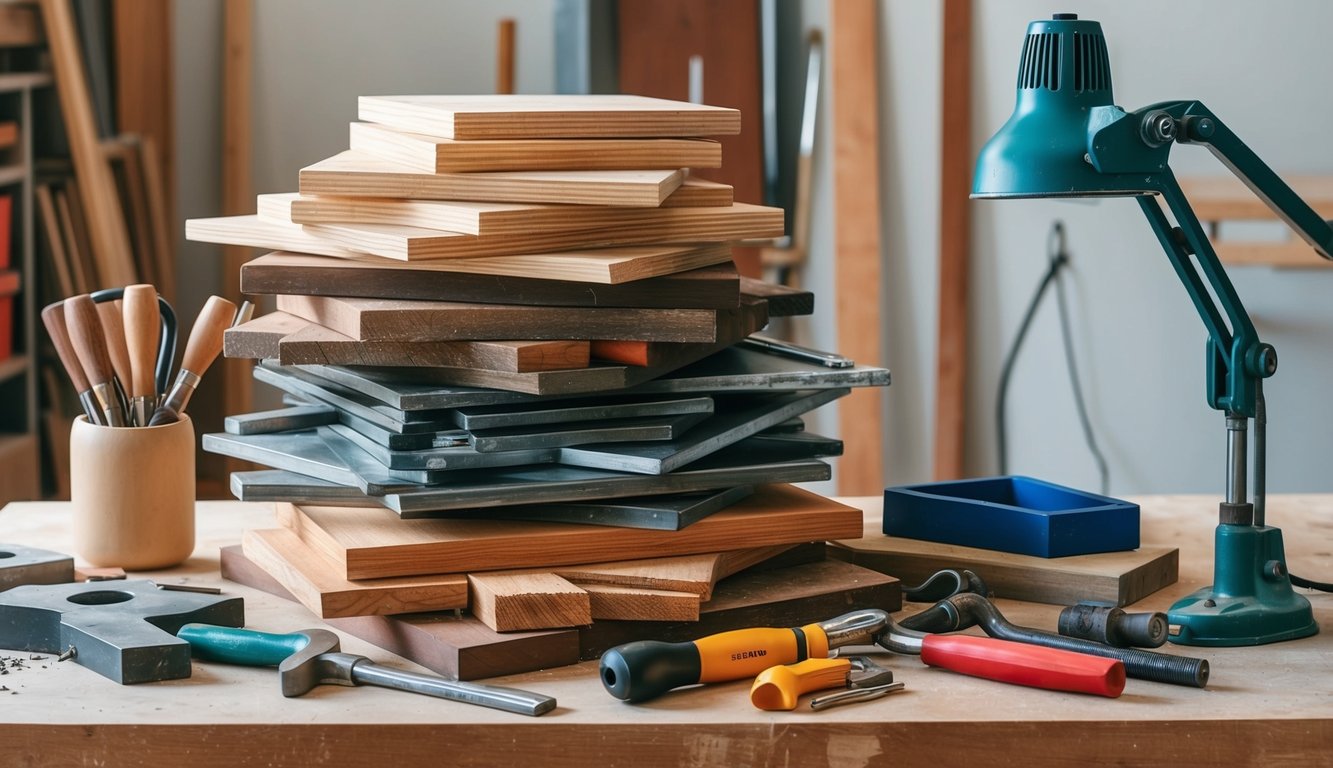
<point x="504" y="57"/>
<point x="238" y="195"/>
<point x="955" y="186"/>
<point x="853" y="46"/>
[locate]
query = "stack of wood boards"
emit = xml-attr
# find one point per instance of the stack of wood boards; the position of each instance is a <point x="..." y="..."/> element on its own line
<point x="512" y="344"/>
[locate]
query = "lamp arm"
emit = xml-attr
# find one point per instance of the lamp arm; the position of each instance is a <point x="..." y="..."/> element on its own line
<point x="1198" y="125"/>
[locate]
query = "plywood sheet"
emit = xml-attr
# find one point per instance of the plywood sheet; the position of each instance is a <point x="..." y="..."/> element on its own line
<point x="373" y="543"/>
<point x="431" y="154"/>
<point x="411" y="320"/>
<point x="354" y="174"/>
<point x="553" y="116"/>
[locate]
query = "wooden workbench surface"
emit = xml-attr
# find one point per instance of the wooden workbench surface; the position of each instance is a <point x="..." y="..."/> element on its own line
<point x="1266" y="705"/>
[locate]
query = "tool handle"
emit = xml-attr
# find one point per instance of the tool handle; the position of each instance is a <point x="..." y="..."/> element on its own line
<point x="85" y="332"/>
<point x="1023" y="664"/>
<point x="53" y="317"/>
<point x="143" y="327"/>
<point x="779" y="688"/>
<point x="113" y="332"/>
<point x="646" y="669"/>
<point x="205" y="340"/>
<point x="240" y="646"/>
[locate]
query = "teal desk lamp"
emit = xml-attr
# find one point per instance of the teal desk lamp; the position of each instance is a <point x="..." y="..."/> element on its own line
<point x="1067" y="139"/>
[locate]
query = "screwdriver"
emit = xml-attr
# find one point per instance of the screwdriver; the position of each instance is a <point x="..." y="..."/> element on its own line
<point x="53" y="317"/>
<point x="645" y="669"/>
<point x="201" y="349"/>
<point x="143" y="328"/>
<point x="85" y="332"/>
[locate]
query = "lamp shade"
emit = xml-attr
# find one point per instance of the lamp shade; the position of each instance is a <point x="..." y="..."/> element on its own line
<point x="1064" y="73"/>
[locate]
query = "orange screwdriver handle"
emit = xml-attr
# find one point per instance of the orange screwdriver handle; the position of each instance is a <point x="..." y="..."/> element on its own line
<point x="647" y="669"/>
<point x="1022" y="664"/>
<point x="779" y="688"/>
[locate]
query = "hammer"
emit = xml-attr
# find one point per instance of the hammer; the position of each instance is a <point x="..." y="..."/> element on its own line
<point x="311" y="657"/>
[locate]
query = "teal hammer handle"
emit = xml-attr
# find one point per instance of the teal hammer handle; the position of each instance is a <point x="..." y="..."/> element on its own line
<point x="240" y="646"/>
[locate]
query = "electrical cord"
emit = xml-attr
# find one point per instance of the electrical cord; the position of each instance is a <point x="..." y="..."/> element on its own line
<point x="1057" y="259"/>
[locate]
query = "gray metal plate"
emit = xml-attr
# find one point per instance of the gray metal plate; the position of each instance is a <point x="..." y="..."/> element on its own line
<point x="583" y="433"/>
<point x="281" y="420"/>
<point x="28" y="565"/>
<point x="447" y="457"/>
<point x="577" y="410"/>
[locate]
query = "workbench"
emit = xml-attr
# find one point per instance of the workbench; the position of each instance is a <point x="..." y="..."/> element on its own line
<point x="1265" y="705"/>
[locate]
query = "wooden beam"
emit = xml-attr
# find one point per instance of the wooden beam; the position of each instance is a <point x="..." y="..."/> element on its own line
<point x="504" y="57"/>
<point x="854" y="25"/>
<point x="106" y="222"/>
<point x="238" y="196"/>
<point x="955" y="185"/>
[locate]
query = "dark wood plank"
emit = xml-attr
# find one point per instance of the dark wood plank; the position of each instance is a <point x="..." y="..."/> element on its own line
<point x="783" y="301"/>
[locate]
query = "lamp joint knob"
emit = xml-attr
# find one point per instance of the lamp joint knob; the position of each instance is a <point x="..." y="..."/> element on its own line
<point x="1263" y="361"/>
<point x="1158" y="128"/>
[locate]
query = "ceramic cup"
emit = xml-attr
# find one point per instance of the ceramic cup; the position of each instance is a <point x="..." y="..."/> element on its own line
<point x="132" y="490"/>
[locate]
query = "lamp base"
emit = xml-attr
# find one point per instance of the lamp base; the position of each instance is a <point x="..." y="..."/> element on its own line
<point x="1251" y="601"/>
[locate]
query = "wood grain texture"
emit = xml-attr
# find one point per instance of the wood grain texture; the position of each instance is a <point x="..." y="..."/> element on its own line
<point x="390" y="320"/>
<point x="106" y="222"/>
<point x="490" y="229"/>
<point x="356" y="174"/>
<point x="504" y="56"/>
<point x="1120" y="578"/>
<point x="955" y="240"/>
<point x="639" y="604"/>
<point x="313" y="580"/>
<point x="431" y="154"/>
<point x="513" y="602"/>
<point x="693" y="574"/>
<point x="854" y="27"/>
<point x="548" y="116"/>
<point x="376" y="543"/>
<point x="413" y="242"/>
<point x="293" y="341"/>
<point x="585" y="281"/>
<point x="783" y="301"/>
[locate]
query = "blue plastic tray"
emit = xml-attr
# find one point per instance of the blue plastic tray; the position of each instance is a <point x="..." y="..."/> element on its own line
<point x="1012" y="514"/>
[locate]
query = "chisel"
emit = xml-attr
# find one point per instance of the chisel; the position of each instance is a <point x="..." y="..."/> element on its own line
<point x="201" y="349"/>
<point x="113" y="332"/>
<point x="53" y="317"/>
<point x="143" y="328"/>
<point x="85" y="332"/>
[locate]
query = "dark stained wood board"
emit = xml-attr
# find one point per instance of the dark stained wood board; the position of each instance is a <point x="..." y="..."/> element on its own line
<point x="293" y="341"/>
<point x="708" y="287"/>
<point x="355" y="174"/>
<point x="547" y="116"/>
<point x="436" y="155"/>
<point x="374" y="543"/>
<point x="783" y="301"/>
<point x="441" y="229"/>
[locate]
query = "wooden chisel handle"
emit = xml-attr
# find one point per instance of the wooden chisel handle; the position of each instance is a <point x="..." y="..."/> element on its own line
<point x="85" y="332"/>
<point x="113" y="330"/>
<point x="53" y="317"/>
<point x="200" y="351"/>
<point x="143" y="328"/>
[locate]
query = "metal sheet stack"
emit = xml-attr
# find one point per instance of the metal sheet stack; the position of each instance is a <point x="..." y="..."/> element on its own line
<point x="518" y="317"/>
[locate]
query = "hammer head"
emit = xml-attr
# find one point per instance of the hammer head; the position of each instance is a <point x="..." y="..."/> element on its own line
<point x="304" y="669"/>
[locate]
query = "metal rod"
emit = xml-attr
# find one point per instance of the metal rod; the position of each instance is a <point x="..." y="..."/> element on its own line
<point x="1260" y="451"/>
<point x="1236" y="465"/>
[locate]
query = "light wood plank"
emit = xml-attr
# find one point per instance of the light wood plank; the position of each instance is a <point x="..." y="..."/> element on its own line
<point x="854" y="25"/>
<point x="639" y="604"/>
<point x="693" y="574"/>
<point x="375" y="543"/>
<point x="955" y="225"/>
<point x="356" y="174"/>
<point x="392" y="320"/>
<point x="313" y="579"/>
<point x="293" y="341"/>
<point x="431" y="154"/>
<point x="547" y="116"/>
<point x="510" y="602"/>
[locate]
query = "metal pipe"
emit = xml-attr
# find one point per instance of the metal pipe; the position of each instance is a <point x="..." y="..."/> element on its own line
<point x="965" y="610"/>
<point x="1236" y="465"/>
<point x="1260" y="452"/>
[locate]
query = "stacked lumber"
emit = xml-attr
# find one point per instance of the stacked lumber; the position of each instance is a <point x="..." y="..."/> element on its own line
<point x="513" y="352"/>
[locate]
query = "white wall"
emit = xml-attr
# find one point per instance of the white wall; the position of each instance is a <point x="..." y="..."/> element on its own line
<point x="1140" y="343"/>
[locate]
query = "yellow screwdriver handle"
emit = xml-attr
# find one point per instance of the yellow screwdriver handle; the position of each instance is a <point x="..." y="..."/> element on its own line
<point x="779" y="688"/>
<point x="744" y="653"/>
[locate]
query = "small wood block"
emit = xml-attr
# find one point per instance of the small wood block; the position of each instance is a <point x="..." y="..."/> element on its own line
<point x="512" y="601"/>
<point x="639" y="604"/>
<point x="447" y="644"/>
<point x="91" y="573"/>
<point x="314" y="580"/>
<point x="1120" y="578"/>
<point x="694" y="574"/>
<point x="407" y="320"/>
<point x="376" y="543"/>
<point x="431" y="154"/>
<point x="563" y="116"/>
<point x="355" y="174"/>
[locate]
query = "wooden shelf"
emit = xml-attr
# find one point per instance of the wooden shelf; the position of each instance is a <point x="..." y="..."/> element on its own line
<point x="12" y="174"/>
<point x="20" y="81"/>
<point x="1217" y="199"/>
<point x="12" y="367"/>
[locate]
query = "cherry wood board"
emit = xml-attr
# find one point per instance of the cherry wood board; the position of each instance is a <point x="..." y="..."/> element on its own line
<point x="547" y="116"/>
<point x="598" y="280"/>
<point x="413" y="320"/>
<point x="355" y="174"/>
<point x="639" y="604"/>
<point x="375" y="543"/>
<point x="510" y="601"/>
<point x="1119" y="578"/>
<point x="415" y="230"/>
<point x="431" y="154"/>
<point x="294" y="341"/>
